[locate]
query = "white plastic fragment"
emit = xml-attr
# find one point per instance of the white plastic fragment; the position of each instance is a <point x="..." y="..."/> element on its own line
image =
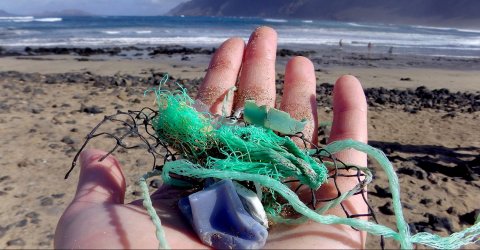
<point x="252" y="203"/>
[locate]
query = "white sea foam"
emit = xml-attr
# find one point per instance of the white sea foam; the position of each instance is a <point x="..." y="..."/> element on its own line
<point x="27" y="19"/>
<point x="48" y="19"/>
<point x="111" y="32"/>
<point x="469" y="30"/>
<point x="120" y="41"/>
<point x="273" y="20"/>
<point x="363" y="25"/>
<point x="143" y="31"/>
<point x="16" y="18"/>
<point x="307" y="21"/>
<point x="446" y="29"/>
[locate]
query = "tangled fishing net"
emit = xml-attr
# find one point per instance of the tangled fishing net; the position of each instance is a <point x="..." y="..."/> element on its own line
<point x="257" y="150"/>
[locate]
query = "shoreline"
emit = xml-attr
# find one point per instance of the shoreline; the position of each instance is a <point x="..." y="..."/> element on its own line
<point x="326" y="56"/>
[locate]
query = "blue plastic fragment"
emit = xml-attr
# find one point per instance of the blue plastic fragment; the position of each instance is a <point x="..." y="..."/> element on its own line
<point x="220" y="220"/>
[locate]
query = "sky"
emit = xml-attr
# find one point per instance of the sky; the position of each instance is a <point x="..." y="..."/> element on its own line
<point x="98" y="7"/>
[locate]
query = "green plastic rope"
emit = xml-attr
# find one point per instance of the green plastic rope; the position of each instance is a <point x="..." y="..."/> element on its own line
<point x="380" y="157"/>
<point x="147" y="203"/>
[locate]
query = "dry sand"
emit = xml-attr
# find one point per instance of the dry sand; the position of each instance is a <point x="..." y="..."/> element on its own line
<point x="41" y="127"/>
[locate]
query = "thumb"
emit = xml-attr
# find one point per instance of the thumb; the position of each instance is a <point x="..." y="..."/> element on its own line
<point x="100" y="181"/>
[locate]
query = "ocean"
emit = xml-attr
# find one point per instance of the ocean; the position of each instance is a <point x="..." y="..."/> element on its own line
<point x="108" y="31"/>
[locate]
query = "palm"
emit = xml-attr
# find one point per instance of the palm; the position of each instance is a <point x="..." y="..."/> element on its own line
<point x="97" y="218"/>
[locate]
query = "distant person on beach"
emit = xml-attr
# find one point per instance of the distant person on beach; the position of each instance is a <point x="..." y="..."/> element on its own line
<point x="390" y="51"/>
<point x="369" y="46"/>
<point x="98" y="217"/>
<point x="340" y="43"/>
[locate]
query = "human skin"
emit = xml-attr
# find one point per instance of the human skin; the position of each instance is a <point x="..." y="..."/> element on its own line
<point x="99" y="218"/>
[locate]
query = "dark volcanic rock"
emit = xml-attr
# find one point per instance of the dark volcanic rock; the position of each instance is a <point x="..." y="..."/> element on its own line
<point x="5" y="178"/>
<point x="24" y="163"/>
<point x="58" y="196"/>
<point x="386" y="209"/>
<point x="426" y="201"/>
<point x="46" y="201"/>
<point x="3" y="230"/>
<point x="438" y="222"/>
<point x="433" y="222"/>
<point x="34" y="217"/>
<point x="425" y="187"/>
<point x="175" y="49"/>
<point x="21" y="223"/>
<point x="469" y="218"/>
<point x="291" y="53"/>
<point x="68" y="140"/>
<point x="451" y="210"/>
<point x="16" y="242"/>
<point x="381" y="192"/>
<point x="91" y="109"/>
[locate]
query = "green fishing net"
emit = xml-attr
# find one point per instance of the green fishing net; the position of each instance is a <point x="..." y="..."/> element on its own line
<point x="209" y="141"/>
<point x="259" y="150"/>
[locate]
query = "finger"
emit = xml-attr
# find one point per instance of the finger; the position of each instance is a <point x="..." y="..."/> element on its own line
<point x="299" y="95"/>
<point x="349" y="122"/>
<point x="257" y="76"/>
<point x="349" y="117"/>
<point x="222" y="75"/>
<point x="100" y="182"/>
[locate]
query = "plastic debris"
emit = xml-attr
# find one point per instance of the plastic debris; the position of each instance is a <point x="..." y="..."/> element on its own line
<point x="220" y="220"/>
<point x="252" y="203"/>
<point x="273" y="119"/>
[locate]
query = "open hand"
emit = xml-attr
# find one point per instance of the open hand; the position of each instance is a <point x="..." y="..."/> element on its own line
<point x="98" y="217"/>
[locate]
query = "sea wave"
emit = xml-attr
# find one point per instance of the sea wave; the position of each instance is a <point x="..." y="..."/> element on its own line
<point x="273" y="20"/>
<point x="117" y="41"/>
<point x="13" y="18"/>
<point x="48" y="19"/>
<point x="307" y="21"/>
<point x="16" y="19"/>
<point x="362" y="25"/>
<point x="143" y="31"/>
<point x="27" y="19"/>
<point x="445" y="29"/>
<point x="111" y="32"/>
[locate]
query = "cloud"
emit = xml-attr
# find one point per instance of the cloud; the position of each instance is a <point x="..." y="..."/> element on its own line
<point x="100" y="7"/>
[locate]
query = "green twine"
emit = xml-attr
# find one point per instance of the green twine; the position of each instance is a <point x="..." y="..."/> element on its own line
<point x="147" y="203"/>
<point x="330" y="204"/>
<point x="380" y="157"/>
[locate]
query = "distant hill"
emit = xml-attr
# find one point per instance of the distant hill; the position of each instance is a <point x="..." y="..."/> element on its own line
<point x="4" y="13"/>
<point x="63" y="13"/>
<point x="424" y="12"/>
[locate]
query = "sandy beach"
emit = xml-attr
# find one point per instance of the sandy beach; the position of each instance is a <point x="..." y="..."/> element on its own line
<point x="49" y="101"/>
